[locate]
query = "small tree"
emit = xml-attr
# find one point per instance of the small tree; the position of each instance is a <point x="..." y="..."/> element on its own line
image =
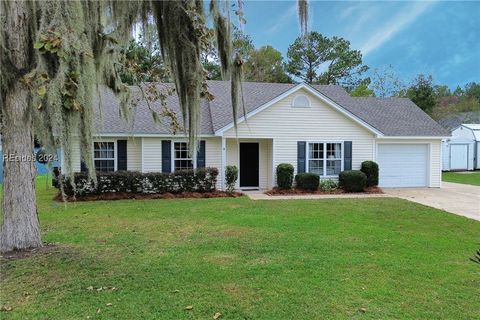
<point x="422" y="93"/>
<point x="285" y="176"/>
<point x="231" y="176"/>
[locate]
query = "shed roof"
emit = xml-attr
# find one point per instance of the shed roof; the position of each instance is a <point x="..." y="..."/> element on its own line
<point x="475" y="129"/>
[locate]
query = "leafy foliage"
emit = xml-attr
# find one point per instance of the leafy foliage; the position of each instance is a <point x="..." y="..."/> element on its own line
<point x="231" y="176"/>
<point x="422" y="93"/>
<point x="285" y="176"/>
<point x="476" y="257"/>
<point x="310" y="52"/>
<point x="307" y="181"/>
<point x="266" y="65"/>
<point x="352" y="180"/>
<point x="200" y="180"/>
<point x="143" y="63"/>
<point x="386" y="83"/>
<point x="370" y="168"/>
<point x="362" y="90"/>
<point x="328" y="185"/>
<point x="75" y="55"/>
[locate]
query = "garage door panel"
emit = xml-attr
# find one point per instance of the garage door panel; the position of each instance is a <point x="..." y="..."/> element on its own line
<point x="403" y="165"/>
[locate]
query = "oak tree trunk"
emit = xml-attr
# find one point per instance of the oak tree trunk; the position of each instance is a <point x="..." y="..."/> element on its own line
<point x="20" y="226"/>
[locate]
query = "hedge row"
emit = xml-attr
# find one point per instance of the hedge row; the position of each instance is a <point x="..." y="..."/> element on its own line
<point x="200" y="180"/>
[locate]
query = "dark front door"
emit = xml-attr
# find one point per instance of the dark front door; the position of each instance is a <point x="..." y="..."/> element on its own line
<point x="249" y="164"/>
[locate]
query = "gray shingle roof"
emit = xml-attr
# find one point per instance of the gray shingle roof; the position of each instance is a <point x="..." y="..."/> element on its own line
<point x="453" y="121"/>
<point x="391" y="116"/>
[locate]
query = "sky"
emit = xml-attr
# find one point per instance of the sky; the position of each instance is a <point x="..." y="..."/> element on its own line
<point x="438" y="38"/>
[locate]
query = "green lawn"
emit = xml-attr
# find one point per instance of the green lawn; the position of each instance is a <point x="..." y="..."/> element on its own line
<point x="301" y="259"/>
<point x="472" y="178"/>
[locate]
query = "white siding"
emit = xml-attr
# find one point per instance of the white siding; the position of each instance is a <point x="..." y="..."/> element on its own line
<point x="320" y="122"/>
<point x="435" y="147"/>
<point x="213" y="156"/>
<point x="134" y="154"/>
<point x="152" y="154"/>
<point x="76" y="158"/>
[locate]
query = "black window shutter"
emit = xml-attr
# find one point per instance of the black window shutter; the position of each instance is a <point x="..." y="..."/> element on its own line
<point x="347" y="159"/>
<point x="201" y="155"/>
<point x="83" y="166"/>
<point x="301" y="156"/>
<point x="166" y="156"/>
<point x="121" y="154"/>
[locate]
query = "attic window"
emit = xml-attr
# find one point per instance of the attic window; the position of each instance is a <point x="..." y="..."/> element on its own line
<point x="301" y="101"/>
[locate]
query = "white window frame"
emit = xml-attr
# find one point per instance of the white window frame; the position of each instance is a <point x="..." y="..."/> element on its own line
<point x="173" y="158"/>
<point x="114" y="153"/>
<point x="342" y="158"/>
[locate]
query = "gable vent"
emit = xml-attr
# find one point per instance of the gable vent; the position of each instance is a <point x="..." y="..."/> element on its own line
<point x="301" y="101"/>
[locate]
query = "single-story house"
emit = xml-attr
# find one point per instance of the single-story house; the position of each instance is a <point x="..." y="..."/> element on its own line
<point x="316" y="128"/>
<point x="462" y="150"/>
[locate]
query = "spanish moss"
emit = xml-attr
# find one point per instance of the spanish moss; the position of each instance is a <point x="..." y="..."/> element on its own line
<point x="303" y="15"/>
<point x="183" y="35"/>
<point x="223" y="38"/>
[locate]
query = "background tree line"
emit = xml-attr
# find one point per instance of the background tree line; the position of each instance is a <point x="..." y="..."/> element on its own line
<point x="315" y="59"/>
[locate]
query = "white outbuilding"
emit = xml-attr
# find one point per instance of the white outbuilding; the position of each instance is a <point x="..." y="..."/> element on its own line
<point x="462" y="150"/>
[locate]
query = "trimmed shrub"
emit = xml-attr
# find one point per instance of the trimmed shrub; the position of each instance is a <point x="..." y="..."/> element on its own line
<point x="307" y="181"/>
<point x="352" y="180"/>
<point x="285" y="176"/>
<point x="231" y="176"/>
<point x="200" y="180"/>
<point x="328" y="185"/>
<point x="370" y="168"/>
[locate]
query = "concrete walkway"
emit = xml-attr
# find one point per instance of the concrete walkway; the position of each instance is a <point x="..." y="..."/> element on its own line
<point x="260" y="195"/>
<point x="460" y="199"/>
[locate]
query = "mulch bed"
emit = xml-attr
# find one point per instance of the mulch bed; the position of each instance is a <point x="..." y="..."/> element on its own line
<point x="296" y="192"/>
<point x="143" y="196"/>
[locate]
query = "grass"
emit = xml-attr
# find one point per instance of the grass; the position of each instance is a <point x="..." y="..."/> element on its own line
<point x="472" y="177"/>
<point x="301" y="259"/>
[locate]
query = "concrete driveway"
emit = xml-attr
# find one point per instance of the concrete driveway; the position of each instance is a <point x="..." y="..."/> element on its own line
<point x="460" y="199"/>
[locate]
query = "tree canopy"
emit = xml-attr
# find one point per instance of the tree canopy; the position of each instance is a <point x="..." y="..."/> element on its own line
<point x="266" y="65"/>
<point x="318" y="59"/>
<point x="422" y="93"/>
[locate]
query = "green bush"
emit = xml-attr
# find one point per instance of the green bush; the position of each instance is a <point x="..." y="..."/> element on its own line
<point x="370" y="168"/>
<point x="285" y="176"/>
<point x="231" y="176"/>
<point x="307" y="181"/>
<point x="328" y="185"/>
<point x="352" y="180"/>
<point x="200" y="180"/>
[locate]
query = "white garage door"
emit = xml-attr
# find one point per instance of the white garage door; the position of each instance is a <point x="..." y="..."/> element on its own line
<point x="403" y="165"/>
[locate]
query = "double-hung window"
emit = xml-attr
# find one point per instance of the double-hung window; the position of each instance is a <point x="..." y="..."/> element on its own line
<point x="325" y="158"/>
<point x="316" y="157"/>
<point x="334" y="159"/>
<point x="104" y="156"/>
<point x="182" y="160"/>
